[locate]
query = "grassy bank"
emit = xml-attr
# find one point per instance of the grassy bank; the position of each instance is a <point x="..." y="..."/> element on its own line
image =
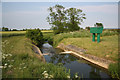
<point x="80" y="34"/>
<point x="19" y="61"/>
<point x="107" y="48"/>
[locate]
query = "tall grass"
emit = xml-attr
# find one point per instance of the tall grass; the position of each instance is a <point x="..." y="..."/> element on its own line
<point x="19" y="61"/>
<point x="114" y="70"/>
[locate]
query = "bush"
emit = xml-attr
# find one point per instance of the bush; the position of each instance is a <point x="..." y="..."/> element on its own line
<point x="36" y="36"/>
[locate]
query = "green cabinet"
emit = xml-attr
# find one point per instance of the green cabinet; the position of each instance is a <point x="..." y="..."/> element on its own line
<point x="97" y="30"/>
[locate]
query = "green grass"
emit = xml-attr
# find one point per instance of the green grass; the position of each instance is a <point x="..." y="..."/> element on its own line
<point x="80" y="34"/>
<point x="19" y="61"/>
<point x="107" y="48"/>
<point x="114" y="70"/>
<point x="48" y="36"/>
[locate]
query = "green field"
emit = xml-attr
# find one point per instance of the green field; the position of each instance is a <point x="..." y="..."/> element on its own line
<point x="20" y="61"/>
<point x="9" y="32"/>
<point x="107" y="48"/>
<point x="19" y="33"/>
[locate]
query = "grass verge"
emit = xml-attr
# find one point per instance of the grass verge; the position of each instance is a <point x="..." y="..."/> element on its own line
<point x="19" y="61"/>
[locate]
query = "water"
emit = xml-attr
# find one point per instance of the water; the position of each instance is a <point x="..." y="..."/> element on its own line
<point x="76" y="65"/>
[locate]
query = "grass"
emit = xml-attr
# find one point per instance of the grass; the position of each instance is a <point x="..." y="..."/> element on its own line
<point x="19" y="61"/>
<point x="114" y="70"/>
<point x="80" y="34"/>
<point x="48" y="36"/>
<point x="107" y="48"/>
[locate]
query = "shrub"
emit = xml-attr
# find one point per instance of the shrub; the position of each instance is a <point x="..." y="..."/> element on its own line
<point x="36" y="36"/>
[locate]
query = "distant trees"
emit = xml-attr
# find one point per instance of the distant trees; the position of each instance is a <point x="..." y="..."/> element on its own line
<point x="36" y="36"/>
<point x="65" y="20"/>
<point x="88" y="28"/>
<point x="5" y="29"/>
<point x="98" y="25"/>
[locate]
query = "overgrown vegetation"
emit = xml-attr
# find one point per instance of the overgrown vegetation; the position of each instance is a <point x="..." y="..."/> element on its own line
<point x="36" y="36"/>
<point x="19" y="61"/>
<point x="114" y="70"/>
<point x="48" y="36"/>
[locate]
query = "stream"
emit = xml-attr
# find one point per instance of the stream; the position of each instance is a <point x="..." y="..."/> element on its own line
<point x="84" y="68"/>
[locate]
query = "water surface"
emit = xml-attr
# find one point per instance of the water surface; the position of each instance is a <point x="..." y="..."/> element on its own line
<point x="76" y="65"/>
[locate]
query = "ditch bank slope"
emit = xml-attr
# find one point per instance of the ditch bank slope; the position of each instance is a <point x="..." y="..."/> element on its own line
<point x="81" y="53"/>
<point x="37" y="51"/>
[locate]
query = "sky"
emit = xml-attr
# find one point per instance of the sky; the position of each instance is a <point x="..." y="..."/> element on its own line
<point x="19" y="15"/>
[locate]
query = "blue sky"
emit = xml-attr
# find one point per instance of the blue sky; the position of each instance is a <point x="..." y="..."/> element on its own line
<point x="21" y="15"/>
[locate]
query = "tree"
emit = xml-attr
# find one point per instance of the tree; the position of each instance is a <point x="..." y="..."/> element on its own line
<point x="75" y="18"/>
<point x="88" y="28"/>
<point x="65" y="20"/>
<point x="57" y="18"/>
<point x="98" y="25"/>
<point x="14" y="30"/>
<point x="5" y="29"/>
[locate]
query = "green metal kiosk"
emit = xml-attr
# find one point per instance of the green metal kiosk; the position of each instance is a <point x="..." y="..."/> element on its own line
<point x="97" y="30"/>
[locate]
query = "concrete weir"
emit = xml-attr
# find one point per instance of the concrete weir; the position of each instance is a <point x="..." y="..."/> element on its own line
<point x="37" y="50"/>
<point x="70" y="49"/>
